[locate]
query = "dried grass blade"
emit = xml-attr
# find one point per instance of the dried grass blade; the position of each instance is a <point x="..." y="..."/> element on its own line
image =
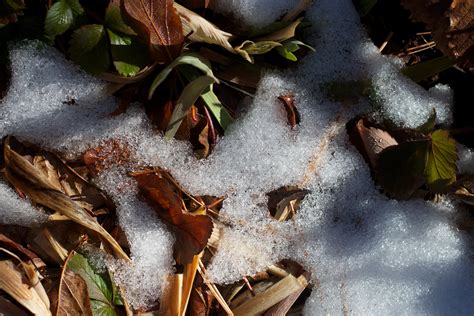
<point x="275" y="294"/>
<point x="11" y="281"/>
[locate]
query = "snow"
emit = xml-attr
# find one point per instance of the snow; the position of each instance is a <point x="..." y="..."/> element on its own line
<point x="367" y="254"/>
<point x="17" y="211"/>
<point x="254" y="13"/>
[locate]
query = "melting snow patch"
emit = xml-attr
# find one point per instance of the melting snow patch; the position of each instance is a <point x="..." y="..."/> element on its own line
<point x="367" y="254"/>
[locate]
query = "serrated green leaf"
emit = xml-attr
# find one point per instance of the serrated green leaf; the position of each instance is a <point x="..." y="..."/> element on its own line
<point x="114" y="20"/>
<point x="98" y="286"/>
<point x="193" y="59"/>
<point x="128" y="55"/>
<point x="400" y="168"/>
<point x="441" y="158"/>
<point x="429" y="125"/>
<point x="100" y="308"/>
<point x="190" y="94"/>
<point x="89" y="48"/>
<point x="60" y="16"/>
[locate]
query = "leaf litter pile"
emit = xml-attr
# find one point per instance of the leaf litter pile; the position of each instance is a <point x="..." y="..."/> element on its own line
<point x="190" y="175"/>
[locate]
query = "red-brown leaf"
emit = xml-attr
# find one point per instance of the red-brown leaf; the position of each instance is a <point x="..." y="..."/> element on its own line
<point x="291" y="110"/>
<point x="191" y="231"/>
<point x="159" y="22"/>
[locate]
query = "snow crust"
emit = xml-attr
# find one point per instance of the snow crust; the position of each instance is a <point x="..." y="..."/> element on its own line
<point x="368" y="255"/>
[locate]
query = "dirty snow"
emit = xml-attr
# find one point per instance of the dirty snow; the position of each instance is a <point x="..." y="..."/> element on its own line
<point x="367" y="254"/>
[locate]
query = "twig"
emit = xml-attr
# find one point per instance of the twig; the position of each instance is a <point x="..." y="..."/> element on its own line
<point x="213" y="288"/>
<point x="384" y="44"/>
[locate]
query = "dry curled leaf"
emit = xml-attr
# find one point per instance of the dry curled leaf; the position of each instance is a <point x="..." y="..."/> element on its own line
<point x="73" y="298"/>
<point x="191" y="231"/>
<point x="199" y="29"/>
<point x="451" y="23"/>
<point x="14" y="282"/>
<point x="291" y="110"/>
<point x="374" y="140"/>
<point x="38" y="181"/>
<point x="158" y="20"/>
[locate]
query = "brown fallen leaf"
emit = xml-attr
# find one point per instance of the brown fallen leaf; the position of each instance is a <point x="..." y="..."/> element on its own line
<point x="13" y="282"/>
<point x="23" y="253"/>
<point x="199" y="137"/>
<point x="10" y="309"/>
<point x="451" y="23"/>
<point x="191" y="231"/>
<point x="374" y="140"/>
<point x="284" y="202"/>
<point x="291" y="110"/>
<point x="158" y="20"/>
<point x="73" y="295"/>
<point x="42" y="189"/>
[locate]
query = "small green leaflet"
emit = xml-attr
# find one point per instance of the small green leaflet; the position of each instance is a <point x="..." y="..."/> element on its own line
<point x="193" y="59"/>
<point x="190" y="94"/>
<point x="128" y="55"/>
<point x="101" y="290"/>
<point x="61" y="16"/>
<point x="289" y="47"/>
<point x="441" y="158"/>
<point x="89" y="48"/>
<point x="211" y="100"/>
<point x="249" y="48"/>
<point x="114" y="20"/>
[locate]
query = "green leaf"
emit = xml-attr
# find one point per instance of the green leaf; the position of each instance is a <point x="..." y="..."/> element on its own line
<point x="60" y="16"/>
<point x="429" y="125"/>
<point x="190" y="94"/>
<point x="428" y="68"/>
<point x="100" y="308"/>
<point x="89" y="48"/>
<point x="192" y="59"/>
<point x="400" y="168"/>
<point x="289" y="47"/>
<point x="212" y="102"/>
<point x="114" y="20"/>
<point x="128" y="55"/>
<point x="441" y="158"/>
<point x="99" y="286"/>
<point x="248" y="48"/>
